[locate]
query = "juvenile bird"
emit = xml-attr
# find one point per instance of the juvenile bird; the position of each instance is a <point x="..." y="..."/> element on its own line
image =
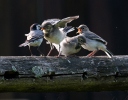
<point x="93" y="41"/>
<point x="70" y="45"/>
<point x="55" y="30"/>
<point x="34" y="38"/>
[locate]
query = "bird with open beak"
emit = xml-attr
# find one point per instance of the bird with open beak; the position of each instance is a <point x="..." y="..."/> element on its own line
<point x="93" y="41"/>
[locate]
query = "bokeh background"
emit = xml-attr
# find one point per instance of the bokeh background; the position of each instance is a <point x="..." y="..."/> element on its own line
<point x="107" y="18"/>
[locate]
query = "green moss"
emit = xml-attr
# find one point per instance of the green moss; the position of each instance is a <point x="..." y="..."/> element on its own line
<point x="63" y="84"/>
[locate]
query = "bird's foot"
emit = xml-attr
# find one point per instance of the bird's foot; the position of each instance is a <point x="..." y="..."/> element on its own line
<point x="33" y="55"/>
<point x="42" y="55"/>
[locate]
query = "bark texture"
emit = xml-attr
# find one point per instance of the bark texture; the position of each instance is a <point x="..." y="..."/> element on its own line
<point x="38" y="74"/>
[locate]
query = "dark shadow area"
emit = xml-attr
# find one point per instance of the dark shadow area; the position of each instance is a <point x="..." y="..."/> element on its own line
<point x="114" y="95"/>
<point x="107" y="18"/>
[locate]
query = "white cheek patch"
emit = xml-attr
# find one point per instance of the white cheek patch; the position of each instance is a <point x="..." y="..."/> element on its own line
<point x="29" y="37"/>
<point x="44" y="31"/>
<point x="38" y="27"/>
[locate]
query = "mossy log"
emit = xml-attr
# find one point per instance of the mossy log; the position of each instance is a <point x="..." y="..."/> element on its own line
<point x="47" y="74"/>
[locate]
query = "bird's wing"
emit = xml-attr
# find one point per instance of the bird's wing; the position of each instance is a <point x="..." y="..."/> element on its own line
<point x="67" y="29"/>
<point x="93" y="36"/>
<point x="52" y="21"/>
<point x="62" y="23"/>
<point x="26" y="34"/>
<point x="34" y="35"/>
<point x="72" y="41"/>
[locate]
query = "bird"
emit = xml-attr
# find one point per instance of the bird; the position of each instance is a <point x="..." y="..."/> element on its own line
<point x="93" y="41"/>
<point x="34" y="38"/>
<point x="55" y="30"/>
<point x="69" y="45"/>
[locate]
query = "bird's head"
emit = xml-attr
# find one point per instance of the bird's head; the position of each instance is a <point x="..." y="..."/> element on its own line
<point x="81" y="40"/>
<point x="46" y="27"/>
<point x="82" y="28"/>
<point x="35" y="26"/>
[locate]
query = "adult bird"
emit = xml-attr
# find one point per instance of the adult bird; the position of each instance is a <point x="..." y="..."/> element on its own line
<point x="34" y="38"/>
<point x="55" y="30"/>
<point x="70" y="45"/>
<point x="93" y="41"/>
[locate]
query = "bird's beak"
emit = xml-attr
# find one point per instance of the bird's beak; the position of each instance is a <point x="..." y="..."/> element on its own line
<point x="79" y="31"/>
<point x="42" y="28"/>
<point x="84" y="44"/>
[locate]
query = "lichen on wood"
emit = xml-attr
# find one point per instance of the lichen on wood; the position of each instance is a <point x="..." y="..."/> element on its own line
<point x="63" y="74"/>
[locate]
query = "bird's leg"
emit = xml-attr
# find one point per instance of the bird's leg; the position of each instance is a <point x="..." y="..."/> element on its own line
<point x="92" y="53"/>
<point x="59" y="51"/>
<point x="89" y="54"/>
<point x="40" y="51"/>
<point x="59" y="54"/>
<point x="30" y="51"/>
<point x="52" y="47"/>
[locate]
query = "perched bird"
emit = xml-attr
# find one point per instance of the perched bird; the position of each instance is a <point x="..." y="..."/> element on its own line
<point x="34" y="38"/>
<point x="55" y="30"/>
<point x="93" y="41"/>
<point x="70" y="45"/>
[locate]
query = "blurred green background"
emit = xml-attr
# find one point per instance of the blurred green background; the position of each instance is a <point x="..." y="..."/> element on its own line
<point x="107" y="18"/>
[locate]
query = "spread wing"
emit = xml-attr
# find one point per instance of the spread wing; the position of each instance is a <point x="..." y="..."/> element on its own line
<point x="52" y="21"/>
<point x="62" y="23"/>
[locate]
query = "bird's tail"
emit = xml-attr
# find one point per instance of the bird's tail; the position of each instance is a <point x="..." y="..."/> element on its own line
<point x="68" y="29"/>
<point x="109" y="54"/>
<point x="23" y="44"/>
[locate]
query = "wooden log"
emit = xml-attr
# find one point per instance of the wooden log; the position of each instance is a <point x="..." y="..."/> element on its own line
<point x="46" y="74"/>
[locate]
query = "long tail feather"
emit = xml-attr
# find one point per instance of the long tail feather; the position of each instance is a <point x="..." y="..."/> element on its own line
<point x="23" y="44"/>
<point x="109" y="54"/>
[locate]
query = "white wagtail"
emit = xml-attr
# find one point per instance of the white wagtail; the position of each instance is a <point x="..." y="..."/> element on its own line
<point x="93" y="41"/>
<point x="55" y="30"/>
<point x="34" y="38"/>
<point x="69" y="46"/>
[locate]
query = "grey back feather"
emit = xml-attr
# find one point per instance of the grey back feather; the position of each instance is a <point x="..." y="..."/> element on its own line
<point x="92" y="36"/>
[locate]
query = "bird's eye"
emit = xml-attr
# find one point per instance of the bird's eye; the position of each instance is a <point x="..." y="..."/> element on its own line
<point x="81" y="40"/>
<point x="82" y="27"/>
<point x="38" y="27"/>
